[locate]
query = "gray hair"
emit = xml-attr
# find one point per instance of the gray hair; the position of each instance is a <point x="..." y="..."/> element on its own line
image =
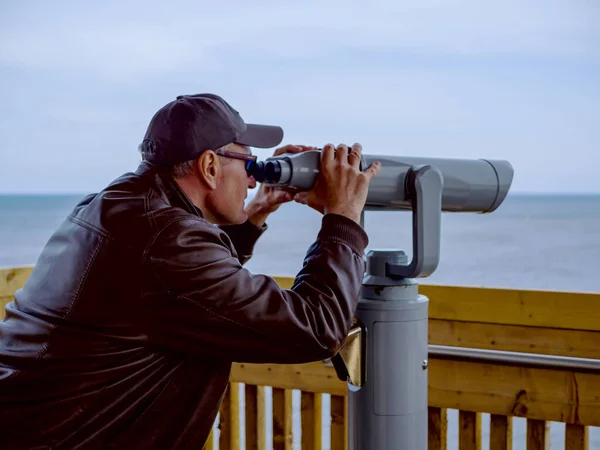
<point x="179" y="170"/>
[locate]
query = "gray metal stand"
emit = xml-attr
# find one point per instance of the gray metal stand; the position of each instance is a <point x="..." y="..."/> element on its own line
<point x="390" y="410"/>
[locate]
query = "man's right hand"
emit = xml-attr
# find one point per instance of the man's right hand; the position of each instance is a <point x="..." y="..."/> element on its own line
<point x="340" y="188"/>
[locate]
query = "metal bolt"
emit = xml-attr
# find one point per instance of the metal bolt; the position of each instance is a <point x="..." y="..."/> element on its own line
<point x="425" y="364"/>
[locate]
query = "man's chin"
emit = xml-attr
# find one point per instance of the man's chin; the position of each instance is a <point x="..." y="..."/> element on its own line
<point x="243" y="218"/>
<point x="240" y="219"/>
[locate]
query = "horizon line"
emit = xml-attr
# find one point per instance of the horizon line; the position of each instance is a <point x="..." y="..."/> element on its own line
<point x="252" y="192"/>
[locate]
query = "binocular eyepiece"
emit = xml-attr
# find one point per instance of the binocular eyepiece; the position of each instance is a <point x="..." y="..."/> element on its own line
<point x="266" y="171"/>
<point x="296" y="170"/>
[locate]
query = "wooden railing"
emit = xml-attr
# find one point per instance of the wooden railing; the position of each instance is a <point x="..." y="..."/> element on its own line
<point x="533" y="322"/>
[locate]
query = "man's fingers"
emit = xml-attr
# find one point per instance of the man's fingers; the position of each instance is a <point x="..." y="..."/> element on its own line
<point x="287" y="149"/>
<point x="354" y="157"/>
<point x="287" y="197"/>
<point x="301" y="197"/>
<point x="327" y="155"/>
<point x="341" y="153"/>
<point x="300" y="148"/>
<point x="372" y="171"/>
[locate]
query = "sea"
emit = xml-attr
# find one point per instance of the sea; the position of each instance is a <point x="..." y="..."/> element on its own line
<point x="532" y="241"/>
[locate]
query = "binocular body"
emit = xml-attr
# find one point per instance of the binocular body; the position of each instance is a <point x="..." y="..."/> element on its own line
<point x="469" y="185"/>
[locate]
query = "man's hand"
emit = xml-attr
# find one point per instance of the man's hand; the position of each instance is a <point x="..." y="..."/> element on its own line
<point x="341" y="188"/>
<point x="268" y="199"/>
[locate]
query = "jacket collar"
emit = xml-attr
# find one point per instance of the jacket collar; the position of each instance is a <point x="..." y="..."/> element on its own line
<point x="166" y="186"/>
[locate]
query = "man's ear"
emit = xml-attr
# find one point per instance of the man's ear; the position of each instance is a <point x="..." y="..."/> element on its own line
<point x="208" y="168"/>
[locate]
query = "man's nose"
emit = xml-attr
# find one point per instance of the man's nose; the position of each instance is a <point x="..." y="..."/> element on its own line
<point x="251" y="182"/>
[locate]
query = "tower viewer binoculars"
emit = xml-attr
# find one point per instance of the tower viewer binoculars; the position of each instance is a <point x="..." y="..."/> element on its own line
<point x="468" y="185"/>
<point x="425" y="186"/>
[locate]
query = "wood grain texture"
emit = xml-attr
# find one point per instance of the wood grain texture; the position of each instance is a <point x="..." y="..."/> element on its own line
<point x="500" y="432"/>
<point x="437" y="425"/>
<point x="310" y="377"/>
<point x="469" y="430"/>
<point x="311" y="410"/>
<point x="13" y="278"/>
<point x="576" y="437"/>
<point x="515" y="338"/>
<point x="251" y="416"/>
<point x="339" y="424"/>
<point x="538" y="435"/>
<point x="549" y="309"/>
<point x="282" y="419"/>
<point x="552" y="395"/>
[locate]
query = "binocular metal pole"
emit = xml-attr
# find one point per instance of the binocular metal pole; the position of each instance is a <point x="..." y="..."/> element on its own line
<point x="384" y="359"/>
<point x="389" y="411"/>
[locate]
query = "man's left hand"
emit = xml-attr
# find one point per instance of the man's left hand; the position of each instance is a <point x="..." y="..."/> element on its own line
<point x="268" y="198"/>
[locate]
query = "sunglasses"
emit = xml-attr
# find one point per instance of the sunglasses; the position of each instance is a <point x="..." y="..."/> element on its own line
<point x="250" y="159"/>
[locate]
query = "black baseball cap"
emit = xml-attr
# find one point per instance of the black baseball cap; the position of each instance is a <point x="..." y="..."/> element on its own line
<point x="182" y="129"/>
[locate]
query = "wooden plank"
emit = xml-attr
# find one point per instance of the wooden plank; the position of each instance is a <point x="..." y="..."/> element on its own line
<point x="565" y="310"/>
<point x="278" y="419"/>
<point x="284" y="282"/>
<point x="310" y="377"/>
<point x="538" y="435"/>
<point x="234" y="415"/>
<point x="437" y="426"/>
<point x="255" y="418"/>
<point x="13" y="278"/>
<point x="577" y="311"/>
<point x="576" y="437"/>
<point x="544" y="308"/>
<point x="318" y="422"/>
<point x="282" y="419"/>
<point x="229" y="421"/>
<point x="552" y="395"/>
<point x="549" y="341"/>
<point x="261" y="398"/>
<point x="209" y="444"/>
<point x="225" y="421"/>
<point x="311" y="407"/>
<point x="500" y="432"/>
<point x="339" y="431"/>
<point x="3" y="302"/>
<point x="251" y="416"/>
<point x="289" y="419"/>
<point x="469" y="430"/>
<point x="307" y="419"/>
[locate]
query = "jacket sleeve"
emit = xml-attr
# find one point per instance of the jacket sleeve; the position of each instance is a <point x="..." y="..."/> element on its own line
<point x="215" y="307"/>
<point x="244" y="237"/>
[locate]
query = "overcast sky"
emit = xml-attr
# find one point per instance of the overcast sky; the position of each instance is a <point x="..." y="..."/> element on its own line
<point x="511" y="79"/>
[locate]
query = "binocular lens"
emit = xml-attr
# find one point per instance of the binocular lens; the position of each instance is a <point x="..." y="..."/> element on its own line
<point x="256" y="169"/>
<point x="272" y="171"/>
<point x="265" y="171"/>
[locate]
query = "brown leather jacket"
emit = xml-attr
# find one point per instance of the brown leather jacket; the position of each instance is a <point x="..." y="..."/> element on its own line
<point x="124" y="334"/>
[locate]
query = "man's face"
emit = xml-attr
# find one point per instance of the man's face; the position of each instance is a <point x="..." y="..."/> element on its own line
<point x="233" y="183"/>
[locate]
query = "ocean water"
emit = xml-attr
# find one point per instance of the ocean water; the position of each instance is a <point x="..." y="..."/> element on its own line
<point x="549" y="242"/>
<point x="531" y="241"/>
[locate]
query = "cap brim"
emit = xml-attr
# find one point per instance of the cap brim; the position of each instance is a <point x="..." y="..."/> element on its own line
<point x="261" y="136"/>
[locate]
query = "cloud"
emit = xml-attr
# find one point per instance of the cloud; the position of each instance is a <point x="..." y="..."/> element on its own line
<point x="124" y="41"/>
<point x="515" y="80"/>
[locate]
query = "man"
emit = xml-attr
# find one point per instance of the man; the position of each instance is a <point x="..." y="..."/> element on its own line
<point x="124" y="334"/>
